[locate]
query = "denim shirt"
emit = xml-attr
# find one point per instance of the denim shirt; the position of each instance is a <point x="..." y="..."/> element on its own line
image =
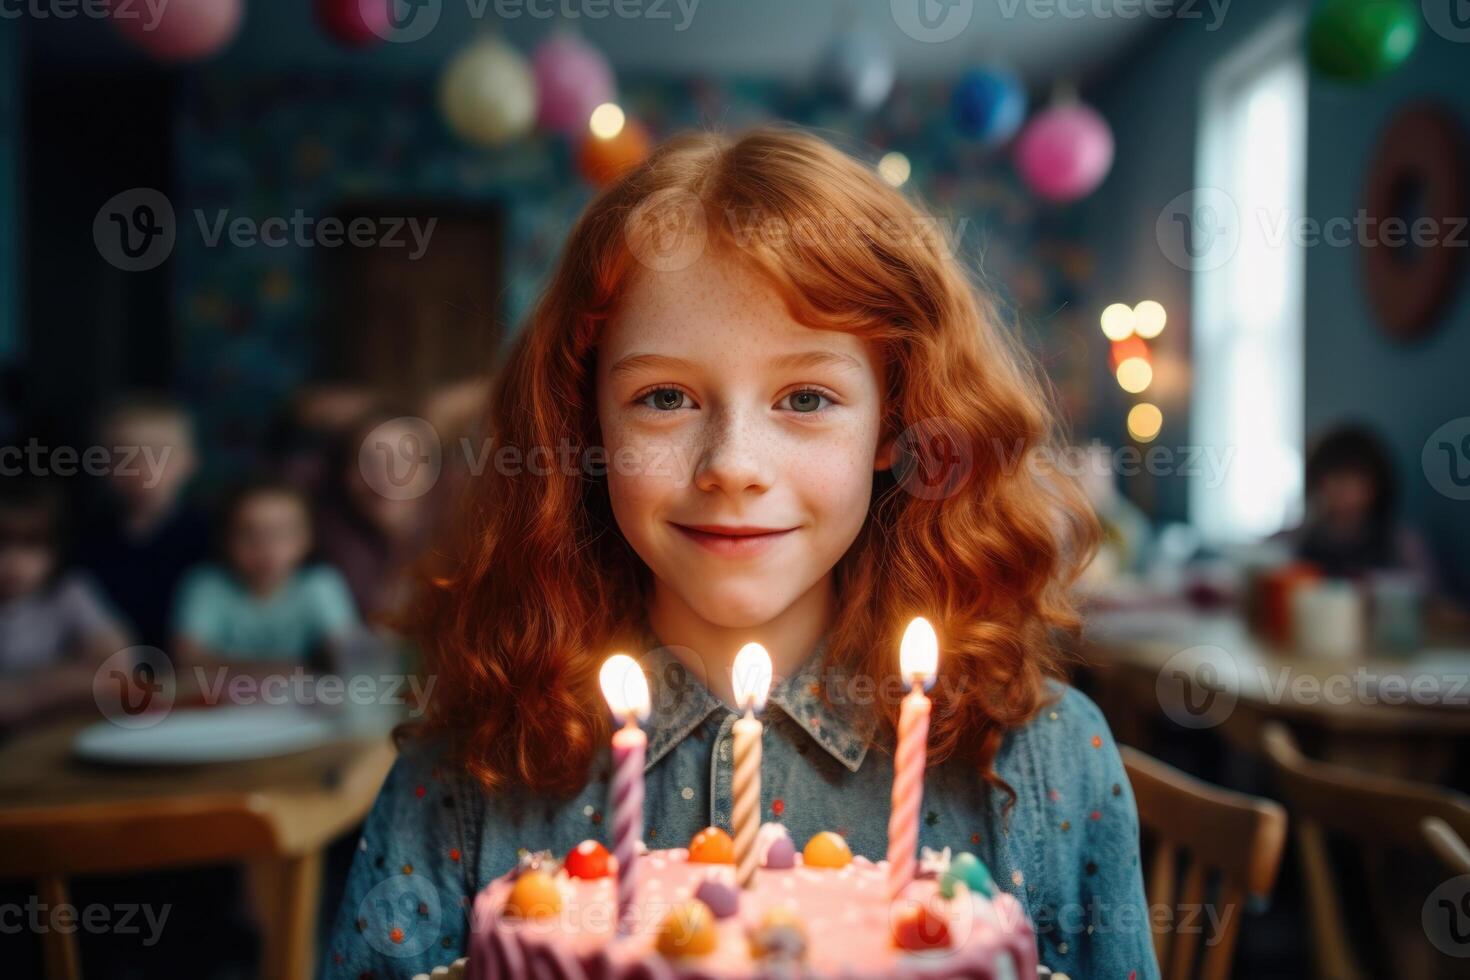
<point x="1068" y="847"/>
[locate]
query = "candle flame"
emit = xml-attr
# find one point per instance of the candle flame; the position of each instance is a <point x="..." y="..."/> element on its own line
<point x="625" y="687"/>
<point x="918" y="655"/>
<point x="752" y="677"/>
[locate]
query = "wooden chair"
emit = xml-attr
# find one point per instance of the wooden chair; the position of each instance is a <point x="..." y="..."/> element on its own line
<point x="1378" y="814"/>
<point x="1448" y="845"/>
<point x="1226" y="845"/>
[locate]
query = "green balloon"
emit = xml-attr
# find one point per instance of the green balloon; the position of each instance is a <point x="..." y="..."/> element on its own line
<point x="1356" y="40"/>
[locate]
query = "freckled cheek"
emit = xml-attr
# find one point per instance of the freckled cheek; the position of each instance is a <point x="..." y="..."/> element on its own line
<point x="834" y="477"/>
<point x="645" y="470"/>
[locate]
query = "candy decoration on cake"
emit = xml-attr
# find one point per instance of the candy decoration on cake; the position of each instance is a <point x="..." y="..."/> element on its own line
<point x="918" y="662"/>
<point x="774" y="848"/>
<point x="752" y="681"/>
<point x="588" y="859"/>
<point x="626" y="690"/>
<point x="711" y="846"/>
<point x="722" y="898"/>
<point x="970" y="871"/>
<point x="780" y="939"/>
<point x="826" y="850"/>
<point x="688" y="930"/>
<point x="534" y="896"/>
<point x="917" y="928"/>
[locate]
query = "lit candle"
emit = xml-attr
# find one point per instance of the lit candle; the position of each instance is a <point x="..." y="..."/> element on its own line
<point x="918" y="661"/>
<point x="626" y="690"/>
<point x="752" y="681"/>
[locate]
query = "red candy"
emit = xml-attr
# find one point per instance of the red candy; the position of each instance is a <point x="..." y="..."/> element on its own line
<point x="712" y="846"/>
<point x="915" y="927"/>
<point x="588" y="859"/>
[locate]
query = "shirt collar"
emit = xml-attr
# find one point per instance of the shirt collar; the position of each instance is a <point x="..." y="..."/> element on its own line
<point x="681" y="702"/>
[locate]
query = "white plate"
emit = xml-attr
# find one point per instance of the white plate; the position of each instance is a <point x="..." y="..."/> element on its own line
<point x="190" y="736"/>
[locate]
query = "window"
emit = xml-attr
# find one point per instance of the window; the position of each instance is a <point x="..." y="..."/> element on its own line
<point x="1247" y="343"/>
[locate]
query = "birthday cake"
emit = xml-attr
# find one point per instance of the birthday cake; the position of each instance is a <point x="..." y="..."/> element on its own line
<point x="818" y="913"/>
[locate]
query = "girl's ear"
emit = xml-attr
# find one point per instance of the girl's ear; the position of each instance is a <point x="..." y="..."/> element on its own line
<point x="887" y="453"/>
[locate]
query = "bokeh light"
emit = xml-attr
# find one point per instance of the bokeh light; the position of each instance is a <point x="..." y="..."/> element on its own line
<point x="1117" y="321"/>
<point x="607" y="120"/>
<point x="1149" y="319"/>
<point x="1135" y="374"/>
<point x="1144" y="421"/>
<point x="894" y="168"/>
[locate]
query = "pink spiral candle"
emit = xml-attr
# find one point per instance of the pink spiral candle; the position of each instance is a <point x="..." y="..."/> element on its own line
<point x="908" y="790"/>
<point x="746" y="816"/>
<point x="628" y="746"/>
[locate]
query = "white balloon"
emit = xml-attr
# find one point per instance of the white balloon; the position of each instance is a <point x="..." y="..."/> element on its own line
<point x="488" y="94"/>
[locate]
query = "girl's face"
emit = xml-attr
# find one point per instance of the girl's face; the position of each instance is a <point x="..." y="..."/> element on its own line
<point x="740" y="444"/>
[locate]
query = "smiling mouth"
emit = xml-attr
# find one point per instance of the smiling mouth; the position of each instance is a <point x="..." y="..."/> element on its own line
<point x="733" y="541"/>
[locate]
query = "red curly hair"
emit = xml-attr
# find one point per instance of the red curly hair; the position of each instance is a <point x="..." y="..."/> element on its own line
<point x="537" y="585"/>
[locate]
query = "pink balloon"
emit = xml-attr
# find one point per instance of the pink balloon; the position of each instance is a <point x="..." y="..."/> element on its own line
<point x="185" y="30"/>
<point x="355" y="23"/>
<point x="1065" y="152"/>
<point x="572" y="79"/>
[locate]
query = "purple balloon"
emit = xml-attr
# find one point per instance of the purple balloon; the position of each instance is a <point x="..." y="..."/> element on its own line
<point x="1065" y="152"/>
<point x="572" y="79"/>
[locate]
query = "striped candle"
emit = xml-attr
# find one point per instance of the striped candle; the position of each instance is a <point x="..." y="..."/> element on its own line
<point x="626" y="690"/>
<point x="751" y="677"/>
<point x="918" y="659"/>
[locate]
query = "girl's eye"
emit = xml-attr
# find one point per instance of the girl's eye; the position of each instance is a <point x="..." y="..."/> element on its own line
<point x="663" y="399"/>
<point x="806" y="401"/>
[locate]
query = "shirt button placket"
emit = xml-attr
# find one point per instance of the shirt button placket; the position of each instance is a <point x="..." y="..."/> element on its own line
<point x="722" y="773"/>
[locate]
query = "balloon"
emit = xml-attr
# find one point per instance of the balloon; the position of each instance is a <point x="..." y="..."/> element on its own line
<point x="858" y="69"/>
<point x="603" y="161"/>
<point x="572" y="79"/>
<point x="184" y="30"/>
<point x="487" y="93"/>
<point x="356" y="23"/>
<point x="1065" y="152"/>
<point x="989" y="104"/>
<point x="1356" y="40"/>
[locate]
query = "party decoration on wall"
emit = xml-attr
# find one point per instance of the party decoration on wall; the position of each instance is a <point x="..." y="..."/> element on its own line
<point x="989" y="104"/>
<point x="355" y="23"/>
<point x="1065" y="151"/>
<point x="182" y="30"/>
<point x="603" y="159"/>
<point x="1417" y="180"/>
<point x="487" y="93"/>
<point x="1356" y="40"/>
<point x="572" y="79"/>
<point x="858" y="69"/>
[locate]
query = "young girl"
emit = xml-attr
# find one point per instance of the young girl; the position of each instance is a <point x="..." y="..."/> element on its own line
<point x="760" y="401"/>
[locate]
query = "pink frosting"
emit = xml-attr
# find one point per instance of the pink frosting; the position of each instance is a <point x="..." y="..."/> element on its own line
<point x="844" y="911"/>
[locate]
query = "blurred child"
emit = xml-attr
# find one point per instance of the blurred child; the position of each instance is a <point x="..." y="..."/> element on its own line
<point x="54" y="629"/>
<point x="140" y="549"/>
<point x="263" y="605"/>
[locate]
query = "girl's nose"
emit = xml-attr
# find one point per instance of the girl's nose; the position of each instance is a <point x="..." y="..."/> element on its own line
<point x="735" y="456"/>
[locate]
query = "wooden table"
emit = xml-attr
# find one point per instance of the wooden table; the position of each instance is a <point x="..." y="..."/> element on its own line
<point x="1341" y="706"/>
<point x="61" y="817"/>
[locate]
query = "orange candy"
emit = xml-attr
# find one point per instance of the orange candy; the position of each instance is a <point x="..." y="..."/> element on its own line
<point x="533" y="896"/>
<point x="826" y="850"/>
<point x="917" y="927"/>
<point x="688" y="930"/>
<point x="712" y="846"/>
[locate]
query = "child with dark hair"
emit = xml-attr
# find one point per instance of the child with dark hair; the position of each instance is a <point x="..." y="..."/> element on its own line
<point x="263" y="603"/>
<point x="54" y="628"/>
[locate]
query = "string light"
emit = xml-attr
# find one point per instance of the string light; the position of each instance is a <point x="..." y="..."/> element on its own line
<point x="1145" y="421"/>
<point x="1149" y="319"/>
<point x="1135" y="374"/>
<point x="1117" y="321"/>
<point x="607" y="120"/>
